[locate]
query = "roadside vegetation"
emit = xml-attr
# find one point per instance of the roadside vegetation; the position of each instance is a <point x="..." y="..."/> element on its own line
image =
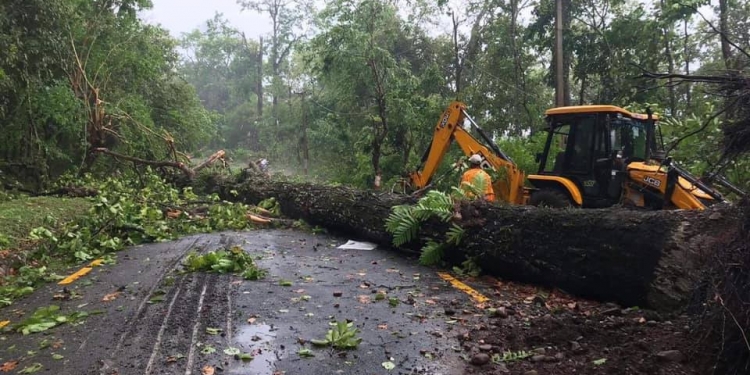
<point x="45" y="235"/>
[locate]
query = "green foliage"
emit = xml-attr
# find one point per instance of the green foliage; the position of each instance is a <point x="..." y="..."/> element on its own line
<point x="24" y="283"/>
<point x="270" y="204"/>
<point x="469" y="267"/>
<point x="343" y="336"/>
<point x="55" y="51"/>
<point x="20" y="215"/>
<point x="126" y="213"/>
<point x="510" y="356"/>
<point x="47" y="317"/>
<point x="404" y="220"/>
<point x="432" y="252"/>
<point x="235" y="260"/>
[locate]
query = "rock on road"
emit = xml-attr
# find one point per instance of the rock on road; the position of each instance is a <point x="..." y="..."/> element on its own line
<point x="158" y="320"/>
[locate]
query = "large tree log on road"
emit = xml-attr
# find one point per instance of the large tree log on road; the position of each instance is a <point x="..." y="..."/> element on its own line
<point x="649" y="259"/>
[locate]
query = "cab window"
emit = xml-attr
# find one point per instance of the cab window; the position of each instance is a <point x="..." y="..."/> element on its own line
<point x="629" y="137"/>
<point x="556" y="155"/>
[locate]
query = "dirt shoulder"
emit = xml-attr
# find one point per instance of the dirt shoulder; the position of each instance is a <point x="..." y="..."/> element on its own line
<point x="536" y="331"/>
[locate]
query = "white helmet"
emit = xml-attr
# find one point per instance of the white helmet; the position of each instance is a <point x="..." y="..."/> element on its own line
<point x="475" y="159"/>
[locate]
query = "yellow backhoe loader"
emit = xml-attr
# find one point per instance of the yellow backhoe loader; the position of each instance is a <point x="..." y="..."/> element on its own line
<point x="594" y="156"/>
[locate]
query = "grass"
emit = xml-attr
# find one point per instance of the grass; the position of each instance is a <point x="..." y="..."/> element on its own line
<point x="19" y="216"/>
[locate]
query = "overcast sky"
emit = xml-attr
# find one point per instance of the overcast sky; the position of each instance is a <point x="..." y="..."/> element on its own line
<point x="181" y="16"/>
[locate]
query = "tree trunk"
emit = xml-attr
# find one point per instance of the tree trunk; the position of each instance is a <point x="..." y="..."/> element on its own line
<point x="670" y="67"/>
<point x="259" y="88"/>
<point x="275" y="9"/>
<point x="688" y="85"/>
<point x="457" y="59"/>
<point x="304" y="144"/>
<point x="582" y="93"/>
<point x="558" y="56"/>
<point x="518" y="67"/>
<point x="726" y="49"/>
<point x="649" y="259"/>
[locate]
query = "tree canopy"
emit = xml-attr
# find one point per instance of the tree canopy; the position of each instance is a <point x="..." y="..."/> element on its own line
<point x="355" y="88"/>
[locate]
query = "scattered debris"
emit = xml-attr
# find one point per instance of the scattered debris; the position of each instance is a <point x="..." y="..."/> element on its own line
<point x="358" y="245"/>
<point x="45" y="318"/>
<point x="234" y="260"/>
<point x="342" y="336"/>
<point x="9" y="366"/>
<point x="480" y="359"/>
<point x="305" y="353"/>
<point x="671" y="356"/>
<point x="31" y="369"/>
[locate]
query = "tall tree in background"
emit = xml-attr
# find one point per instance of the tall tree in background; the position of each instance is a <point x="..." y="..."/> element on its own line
<point x="223" y="66"/>
<point x="287" y="18"/>
<point x="361" y="57"/>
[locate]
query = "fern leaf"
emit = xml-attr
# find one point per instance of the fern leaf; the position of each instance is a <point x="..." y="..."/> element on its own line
<point x="405" y="229"/>
<point x="432" y="253"/>
<point x="455" y="235"/>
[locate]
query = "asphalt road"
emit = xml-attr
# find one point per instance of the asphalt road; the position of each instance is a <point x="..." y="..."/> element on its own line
<point x="163" y="321"/>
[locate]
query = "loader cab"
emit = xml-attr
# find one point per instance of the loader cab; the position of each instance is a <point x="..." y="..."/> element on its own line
<point x="589" y="147"/>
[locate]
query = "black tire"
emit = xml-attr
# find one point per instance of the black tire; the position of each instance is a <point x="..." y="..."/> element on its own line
<point x="551" y="198"/>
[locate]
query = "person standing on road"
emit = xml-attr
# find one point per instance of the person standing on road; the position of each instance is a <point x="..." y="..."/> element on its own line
<point x="474" y="174"/>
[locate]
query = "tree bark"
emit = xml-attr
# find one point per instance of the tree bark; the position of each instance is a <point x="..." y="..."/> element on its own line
<point x="726" y="50"/>
<point x="457" y="59"/>
<point x="688" y="85"/>
<point x="259" y="87"/>
<point x="559" y="53"/>
<point x="635" y="258"/>
<point x="670" y="66"/>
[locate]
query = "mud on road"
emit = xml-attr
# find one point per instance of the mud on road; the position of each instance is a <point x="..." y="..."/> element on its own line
<point x="158" y="320"/>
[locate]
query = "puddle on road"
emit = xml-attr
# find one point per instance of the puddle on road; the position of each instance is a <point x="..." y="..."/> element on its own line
<point x="256" y="339"/>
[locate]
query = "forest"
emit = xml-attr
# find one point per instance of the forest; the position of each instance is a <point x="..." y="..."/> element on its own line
<point x="116" y="132"/>
<point x="340" y="92"/>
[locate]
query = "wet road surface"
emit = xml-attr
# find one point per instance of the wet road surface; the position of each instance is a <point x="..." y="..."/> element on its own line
<point x="158" y="320"/>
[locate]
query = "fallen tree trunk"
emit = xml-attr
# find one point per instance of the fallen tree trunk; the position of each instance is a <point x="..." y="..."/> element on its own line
<point x="636" y="258"/>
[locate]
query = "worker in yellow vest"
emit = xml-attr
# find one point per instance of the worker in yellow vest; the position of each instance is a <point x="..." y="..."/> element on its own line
<point x="475" y="172"/>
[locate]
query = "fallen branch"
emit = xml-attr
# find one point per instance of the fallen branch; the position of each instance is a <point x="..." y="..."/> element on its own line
<point x="187" y="171"/>
<point x="211" y="159"/>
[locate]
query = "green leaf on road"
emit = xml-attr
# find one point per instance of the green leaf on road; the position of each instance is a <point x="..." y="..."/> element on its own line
<point x="244" y="357"/>
<point x="231" y="351"/>
<point x="31" y="369"/>
<point x="388" y="365"/>
<point x="305" y="353"/>
<point x="208" y="349"/>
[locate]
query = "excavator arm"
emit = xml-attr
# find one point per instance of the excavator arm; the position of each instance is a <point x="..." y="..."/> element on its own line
<point x="509" y="188"/>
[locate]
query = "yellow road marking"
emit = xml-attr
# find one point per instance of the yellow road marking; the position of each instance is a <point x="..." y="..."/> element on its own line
<point x="479" y="297"/>
<point x="82" y="272"/>
<point x="4" y="323"/>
